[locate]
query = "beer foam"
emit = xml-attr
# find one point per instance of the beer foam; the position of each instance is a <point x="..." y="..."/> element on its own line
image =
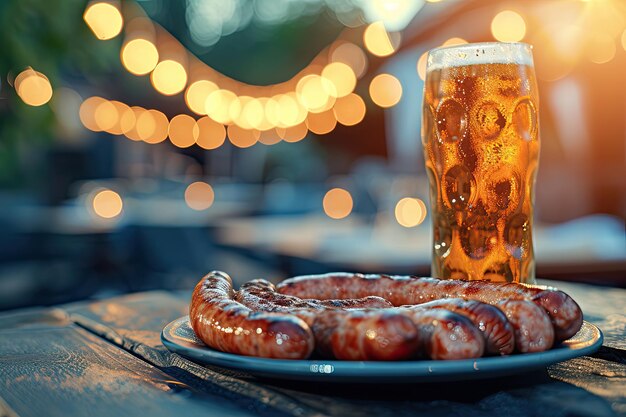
<point x="480" y="53"/>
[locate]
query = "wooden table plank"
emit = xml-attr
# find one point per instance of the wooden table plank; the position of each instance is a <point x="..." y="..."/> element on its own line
<point x="134" y="322"/>
<point x="589" y="386"/>
<point x="50" y="367"/>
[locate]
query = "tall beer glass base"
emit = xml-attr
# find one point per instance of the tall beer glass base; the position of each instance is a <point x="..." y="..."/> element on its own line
<point x="481" y="148"/>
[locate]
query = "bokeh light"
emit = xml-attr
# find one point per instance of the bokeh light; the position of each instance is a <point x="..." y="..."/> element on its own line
<point x="199" y="196"/>
<point x="132" y="133"/>
<point x="125" y="119"/>
<point x="290" y="112"/>
<point x="337" y="203"/>
<point x="349" y="110"/>
<point x="169" y="77"/>
<point x="454" y="41"/>
<point x="294" y="133"/>
<point x="139" y="56"/>
<point x="87" y="113"/>
<point x="410" y="212"/>
<point x="269" y="137"/>
<point x="508" y="26"/>
<point x="33" y="87"/>
<point x="315" y="92"/>
<point x="183" y="131"/>
<point x="377" y="41"/>
<point x="217" y="105"/>
<point x="242" y="138"/>
<point x="104" y="20"/>
<point x="351" y="55"/>
<point x="211" y="135"/>
<point x="106" y="115"/>
<point x="341" y="76"/>
<point x="321" y="123"/>
<point x="107" y="204"/>
<point x="422" y="62"/>
<point x="197" y="93"/>
<point x="152" y="126"/>
<point x="385" y="90"/>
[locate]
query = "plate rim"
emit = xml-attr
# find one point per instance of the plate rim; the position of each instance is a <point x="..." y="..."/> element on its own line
<point x="322" y="369"/>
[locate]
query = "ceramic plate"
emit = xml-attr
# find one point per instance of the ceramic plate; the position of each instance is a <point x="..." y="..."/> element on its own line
<point x="179" y="337"/>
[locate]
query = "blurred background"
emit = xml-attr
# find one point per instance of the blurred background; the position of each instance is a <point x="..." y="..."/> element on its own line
<point x="146" y="142"/>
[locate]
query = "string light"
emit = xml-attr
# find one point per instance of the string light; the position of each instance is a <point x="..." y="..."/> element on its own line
<point x="199" y="196"/>
<point x="183" y="131"/>
<point x="105" y="115"/>
<point x="211" y="135"/>
<point x="410" y="212"/>
<point x="321" y="123"/>
<point x="377" y="41"/>
<point x="421" y="66"/>
<point x="107" y="204"/>
<point x="104" y="20"/>
<point x="139" y="56"/>
<point x="153" y="126"/>
<point x="337" y="203"/>
<point x="351" y="55"/>
<point x="294" y="133"/>
<point x="242" y="138"/>
<point x="196" y="95"/>
<point x="349" y="110"/>
<point x="385" y="90"/>
<point x="341" y="76"/>
<point x="33" y="87"/>
<point x="169" y="77"/>
<point x="508" y="26"/>
<point x="87" y="113"/>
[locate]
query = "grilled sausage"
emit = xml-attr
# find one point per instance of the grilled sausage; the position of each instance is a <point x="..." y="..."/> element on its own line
<point x="225" y="324"/>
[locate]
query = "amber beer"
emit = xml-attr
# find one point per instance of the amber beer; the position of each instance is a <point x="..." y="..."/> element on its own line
<point x="481" y="147"/>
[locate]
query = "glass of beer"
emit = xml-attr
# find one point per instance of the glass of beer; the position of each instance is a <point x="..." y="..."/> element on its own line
<point x="481" y="148"/>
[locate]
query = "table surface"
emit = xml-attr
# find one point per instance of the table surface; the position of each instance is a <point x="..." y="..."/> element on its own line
<point x="105" y="358"/>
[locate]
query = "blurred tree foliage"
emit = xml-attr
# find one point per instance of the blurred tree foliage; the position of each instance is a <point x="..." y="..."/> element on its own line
<point x="51" y="37"/>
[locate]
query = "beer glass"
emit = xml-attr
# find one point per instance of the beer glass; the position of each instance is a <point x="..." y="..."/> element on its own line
<point x="481" y="148"/>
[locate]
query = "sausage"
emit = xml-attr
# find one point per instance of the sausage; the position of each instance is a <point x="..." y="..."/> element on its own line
<point x="446" y="335"/>
<point x="533" y="330"/>
<point x="564" y="313"/>
<point x="339" y="333"/>
<point x="227" y="325"/>
<point x="366" y="335"/>
<point x="260" y="294"/>
<point x="497" y="331"/>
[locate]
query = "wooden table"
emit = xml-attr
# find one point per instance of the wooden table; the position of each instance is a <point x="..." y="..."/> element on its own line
<point x="105" y="358"/>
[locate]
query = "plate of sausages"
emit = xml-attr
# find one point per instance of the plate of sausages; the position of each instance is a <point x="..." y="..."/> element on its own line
<point x="348" y="327"/>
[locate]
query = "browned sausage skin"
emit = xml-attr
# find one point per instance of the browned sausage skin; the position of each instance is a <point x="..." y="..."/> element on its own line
<point x="564" y="313"/>
<point x="446" y="335"/>
<point x="341" y="332"/>
<point x="533" y="330"/>
<point x="498" y="332"/>
<point x="224" y="324"/>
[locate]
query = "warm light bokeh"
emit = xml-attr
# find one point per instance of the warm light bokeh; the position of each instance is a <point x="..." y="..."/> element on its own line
<point x="321" y="123"/>
<point x="211" y="135"/>
<point x="454" y="41"/>
<point x="107" y="204"/>
<point x="341" y="76"/>
<point x="316" y="93"/>
<point x="87" y="113"/>
<point x="33" y="87"/>
<point x="410" y="212"/>
<point x="152" y="126"/>
<point x="199" y="196"/>
<point x="183" y="131"/>
<point x="104" y="20"/>
<point x="337" y="203"/>
<point x="508" y="26"/>
<point x="349" y="110"/>
<point x="377" y="40"/>
<point x="197" y="93"/>
<point x="421" y="65"/>
<point x="106" y="115"/>
<point x="385" y="90"/>
<point x="169" y="77"/>
<point x="351" y="55"/>
<point x="294" y="133"/>
<point x="139" y="56"/>
<point x="217" y="105"/>
<point x="242" y="138"/>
